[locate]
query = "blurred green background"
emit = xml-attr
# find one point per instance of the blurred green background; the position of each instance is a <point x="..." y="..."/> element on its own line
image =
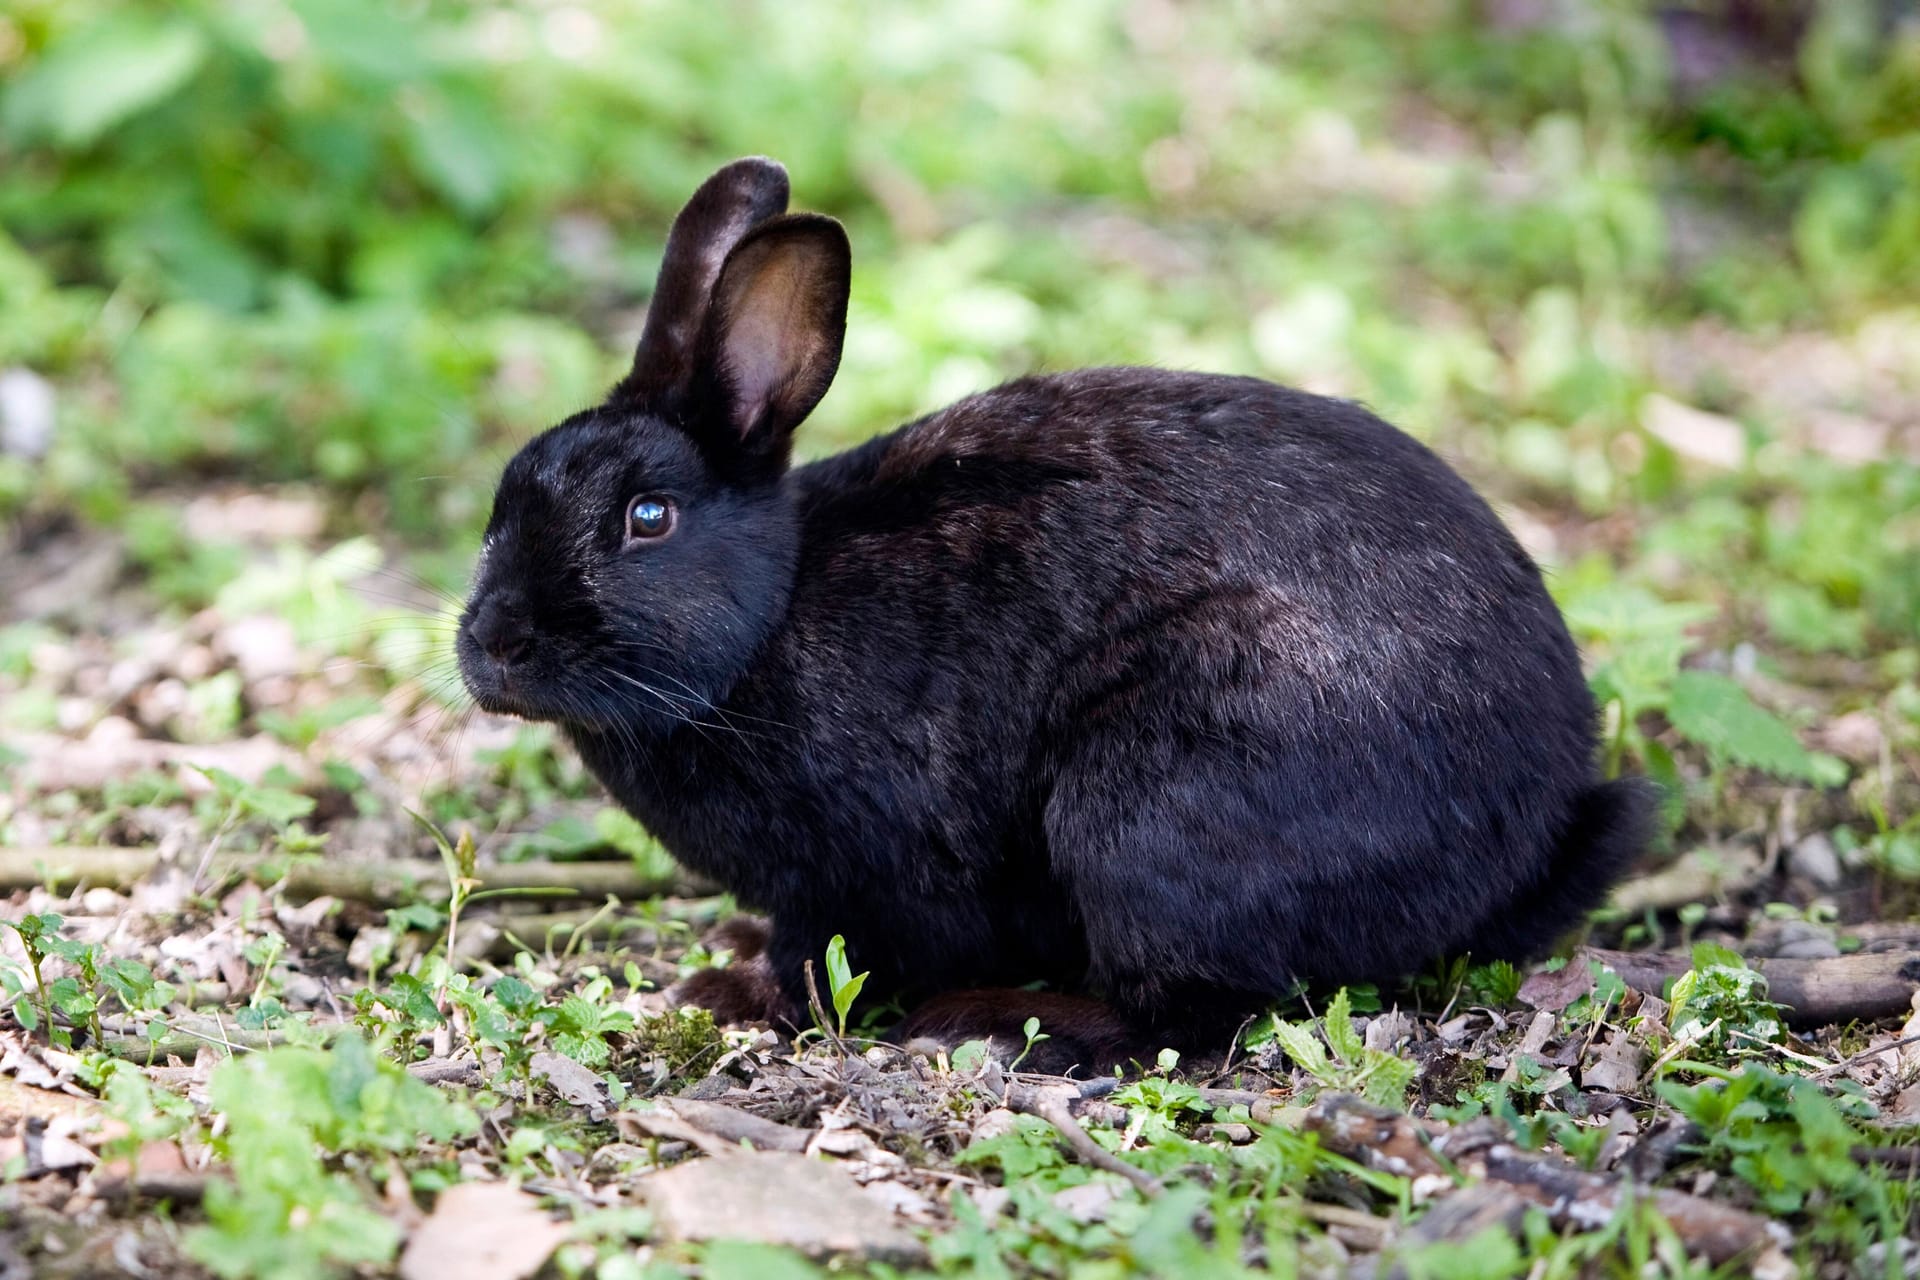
<point x="1647" y="272"/>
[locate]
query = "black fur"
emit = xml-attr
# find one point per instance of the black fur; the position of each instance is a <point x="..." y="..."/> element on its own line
<point x="1172" y="687"/>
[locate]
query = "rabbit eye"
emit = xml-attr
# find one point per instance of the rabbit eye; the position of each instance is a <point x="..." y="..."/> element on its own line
<point x="649" y="518"/>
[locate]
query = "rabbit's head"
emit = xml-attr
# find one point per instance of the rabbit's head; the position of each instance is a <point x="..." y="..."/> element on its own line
<point x="639" y="552"/>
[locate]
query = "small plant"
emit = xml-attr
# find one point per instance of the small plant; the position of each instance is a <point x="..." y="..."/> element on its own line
<point x="77" y="998"/>
<point x="1344" y="1062"/>
<point x="679" y="1037"/>
<point x="1034" y="1036"/>
<point x="35" y="932"/>
<point x="460" y="861"/>
<point x="1794" y="1144"/>
<point x="842" y="981"/>
<point x="285" y="1212"/>
<point x="582" y="1022"/>
<point x="271" y="800"/>
<point x="1721" y="1005"/>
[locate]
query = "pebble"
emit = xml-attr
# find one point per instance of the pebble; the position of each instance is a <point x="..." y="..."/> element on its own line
<point x="125" y="677"/>
<point x="26" y="413"/>
<point x="160" y="702"/>
<point x="195" y="663"/>
<point x="1801" y="940"/>
<point x="113" y="729"/>
<point x="1814" y="859"/>
<point x="102" y="902"/>
<point x="261" y="647"/>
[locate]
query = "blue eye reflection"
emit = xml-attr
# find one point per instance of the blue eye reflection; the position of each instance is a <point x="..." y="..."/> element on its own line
<point x="648" y="517"/>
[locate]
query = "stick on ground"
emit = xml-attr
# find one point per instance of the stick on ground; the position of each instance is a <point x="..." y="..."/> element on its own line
<point x="1814" y="992"/>
<point x="382" y="883"/>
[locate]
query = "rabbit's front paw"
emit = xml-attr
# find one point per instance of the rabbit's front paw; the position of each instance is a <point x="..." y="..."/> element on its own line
<point x="745" y="936"/>
<point x="744" y="991"/>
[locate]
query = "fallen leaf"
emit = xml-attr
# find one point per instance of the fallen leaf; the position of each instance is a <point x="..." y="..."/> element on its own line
<point x="576" y="1083"/>
<point x="1552" y="992"/>
<point x="1616" y="1065"/>
<point x="1087" y="1202"/>
<point x="776" y="1197"/>
<point x="1694" y="433"/>
<point x="481" y="1231"/>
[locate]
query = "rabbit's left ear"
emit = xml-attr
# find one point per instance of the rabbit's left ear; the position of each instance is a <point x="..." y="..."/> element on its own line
<point x="726" y="207"/>
<point x="773" y="333"/>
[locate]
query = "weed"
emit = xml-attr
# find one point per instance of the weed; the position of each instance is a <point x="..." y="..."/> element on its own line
<point x="1337" y="1058"/>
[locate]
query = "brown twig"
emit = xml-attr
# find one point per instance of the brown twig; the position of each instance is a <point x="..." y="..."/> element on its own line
<point x="381" y="883"/>
<point x="1907" y="1158"/>
<point x="1051" y="1106"/>
<point x="819" y="1010"/>
<point x="1828" y="1072"/>
<point x="1386" y="1140"/>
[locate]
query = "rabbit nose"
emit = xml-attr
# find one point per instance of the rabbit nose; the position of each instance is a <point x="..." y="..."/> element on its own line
<point x="502" y="635"/>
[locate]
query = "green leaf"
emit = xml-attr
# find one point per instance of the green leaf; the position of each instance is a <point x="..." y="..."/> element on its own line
<point x="1302" y="1046"/>
<point x="1716" y="712"/>
<point x="99" y="76"/>
<point x="969" y="1056"/>
<point x="456" y="149"/>
<point x="741" y="1260"/>
<point x="1341" y="1037"/>
<point x="1388" y="1080"/>
<point x="844" y="983"/>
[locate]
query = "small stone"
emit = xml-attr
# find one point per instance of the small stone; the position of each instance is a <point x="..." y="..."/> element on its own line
<point x="53" y="661"/>
<point x="126" y="677"/>
<point x="304" y="990"/>
<point x="367" y="945"/>
<point x="196" y="662"/>
<point x="114" y="730"/>
<point x="1802" y="940"/>
<point x="274" y="691"/>
<point x="1855" y="736"/>
<point x="988" y="1202"/>
<point x="708" y="1088"/>
<point x="997" y="1123"/>
<point x="261" y="647"/>
<point x="1814" y="859"/>
<point x="26" y="413"/>
<point x="102" y="902"/>
<point x="159" y="703"/>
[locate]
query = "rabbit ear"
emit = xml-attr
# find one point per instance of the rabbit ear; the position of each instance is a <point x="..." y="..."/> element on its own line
<point x="773" y="333"/>
<point x="725" y="208"/>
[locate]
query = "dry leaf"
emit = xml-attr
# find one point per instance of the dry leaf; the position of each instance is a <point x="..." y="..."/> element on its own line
<point x="481" y="1231"/>
<point x="776" y="1197"/>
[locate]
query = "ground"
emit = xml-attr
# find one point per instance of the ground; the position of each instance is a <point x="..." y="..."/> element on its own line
<point x="308" y="969"/>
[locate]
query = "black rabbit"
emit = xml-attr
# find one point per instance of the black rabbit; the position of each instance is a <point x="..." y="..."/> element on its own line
<point x="1172" y="688"/>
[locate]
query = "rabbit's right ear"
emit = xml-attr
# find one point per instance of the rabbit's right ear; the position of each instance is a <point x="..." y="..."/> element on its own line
<point x="772" y="340"/>
<point x="718" y="216"/>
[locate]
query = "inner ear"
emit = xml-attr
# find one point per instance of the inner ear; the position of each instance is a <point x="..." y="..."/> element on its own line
<point x="777" y="324"/>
